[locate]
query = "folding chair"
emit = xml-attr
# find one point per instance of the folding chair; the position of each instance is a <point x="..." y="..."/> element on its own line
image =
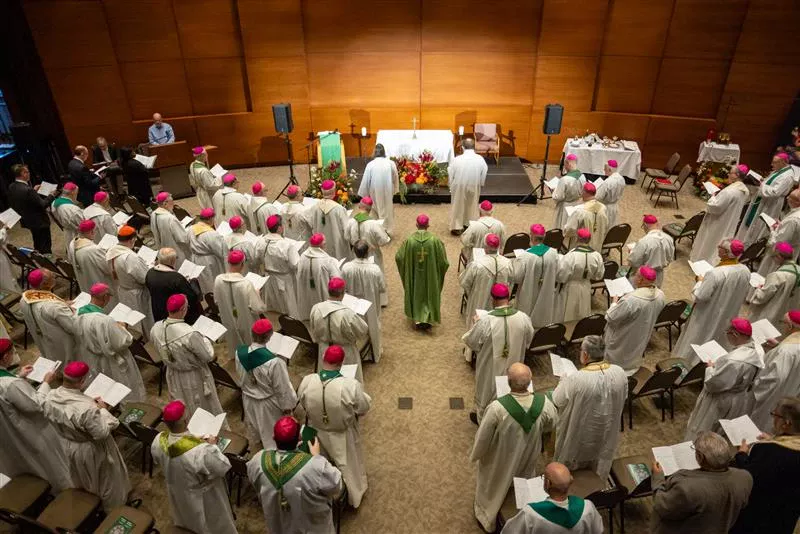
<point x="222" y="377"/>
<point x="7" y="302"/>
<point x="518" y="240"/>
<point x="296" y="329"/>
<point x="23" y="261"/>
<point x="239" y="472"/>
<point x="615" y="239"/>
<point x="212" y="310"/>
<point x="72" y="509"/>
<point x="593" y="325"/>
<point x="647" y="384"/>
<point x="546" y="339"/>
<point x="687" y="377"/>
<point x="682" y="231"/>
<point x="670" y="317"/>
<point x="554" y="238"/>
<point x="753" y="253"/>
<point x="180" y="213"/>
<point x="610" y="273"/>
<point x="145" y="436"/>
<point x="665" y="172"/>
<point x="670" y="189"/>
<point x="24" y="493"/>
<point x="69" y="272"/>
<point x="143" y="522"/>
<point x="141" y="354"/>
<point x="608" y="499"/>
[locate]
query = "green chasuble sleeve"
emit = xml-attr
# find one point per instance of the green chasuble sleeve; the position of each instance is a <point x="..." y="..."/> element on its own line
<point x="422" y="264"/>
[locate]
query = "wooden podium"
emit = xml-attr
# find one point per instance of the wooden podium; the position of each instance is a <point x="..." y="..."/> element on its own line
<point x="173" y="167"/>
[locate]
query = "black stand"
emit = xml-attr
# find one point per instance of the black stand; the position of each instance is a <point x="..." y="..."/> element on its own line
<point x="292" y="179"/>
<point x="538" y="191"/>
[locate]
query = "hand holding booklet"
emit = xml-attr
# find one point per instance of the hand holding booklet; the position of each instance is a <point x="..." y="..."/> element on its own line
<point x="218" y="171"/>
<point x="360" y="306"/>
<point x="45" y="188"/>
<point x="121" y="218"/>
<point x="108" y="241"/>
<point x="710" y="188"/>
<point x="528" y="490"/>
<point x="148" y="255"/>
<point x="741" y="428"/>
<point x="123" y="314"/>
<point x="764" y="330"/>
<point x="257" y="280"/>
<point x="224" y="229"/>
<point x="709" y="351"/>
<point x="147" y="161"/>
<point x="756" y="280"/>
<point x="10" y="217"/>
<point x="552" y="183"/>
<point x="190" y="270"/>
<point x="675" y="457"/>
<point x="618" y="287"/>
<point x="107" y="390"/>
<point x="770" y="222"/>
<point x="81" y="300"/>
<point x="562" y="366"/>
<point x="211" y="329"/>
<point x="282" y="345"/>
<point x="41" y="367"/>
<point x="700" y="268"/>
<point x="204" y="423"/>
<point x="571" y="209"/>
<point x="349" y="370"/>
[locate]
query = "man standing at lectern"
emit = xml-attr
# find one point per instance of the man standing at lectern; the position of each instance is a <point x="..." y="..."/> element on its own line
<point x="160" y="133"/>
<point x="467" y="175"/>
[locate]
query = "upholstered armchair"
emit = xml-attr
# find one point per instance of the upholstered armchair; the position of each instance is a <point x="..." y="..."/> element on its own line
<point x="487" y="140"/>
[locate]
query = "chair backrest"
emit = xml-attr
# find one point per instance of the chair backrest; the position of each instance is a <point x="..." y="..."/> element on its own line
<point x="212" y="310"/>
<point x="754" y="251"/>
<point x="295" y="328"/>
<point x="696" y="375"/>
<point x="693" y="224"/>
<point x="554" y="238"/>
<point x="140" y="352"/>
<point x="44" y="262"/>
<point x="18" y="257"/>
<point x="550" y="335"/>
<point x="617" y="235"/>
<point x="238" y="464"/>
<point x="117" y="202"/>
<point x="611" y="269"/>
<point x="518" y="240"/>
<point x="180" y="213"/>
<point x="485" y="131"/>
<point x="660" y="381"/>
<point x="144" y="434"/>
<point x="608" y="498"/>
<point x="25" y="524"/>
<point x="672" y="162"/>
<point x="671" y="312"/>
<point x="683" y="175"/>
<point x="589" y="326"/>
<point x="66" y="268"/>
<point x="222" y="377"/>
<point x="136" y="206"/>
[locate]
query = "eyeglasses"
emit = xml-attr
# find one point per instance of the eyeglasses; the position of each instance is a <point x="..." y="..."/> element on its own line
<point x="779" y="416"/>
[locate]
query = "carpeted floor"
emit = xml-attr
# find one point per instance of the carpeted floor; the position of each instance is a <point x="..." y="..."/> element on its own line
<point x="420" y="479"/>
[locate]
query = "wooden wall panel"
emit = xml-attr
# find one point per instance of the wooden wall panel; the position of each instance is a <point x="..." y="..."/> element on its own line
<point x="272" y="28"/>
<point x="705" y="29"/>
<point x="146" y="32"/>
<point x="278" y="79"/>
<point x="89" y="95"/>
<point x="666" y="135"/>
<point x="769" y="34"/>
<point x="156" y="86"/>
<point x="626" y="84"/>
<point x="122" y="133"/>
<point x="568" y="81"/>
<point x="637" y="27"/>
<point x="762" y="79"/>
<point x="207" y="28"/>
<point x="571" y="30"/>
<point x="216" y="85"/>
<point x="690" y="87"/>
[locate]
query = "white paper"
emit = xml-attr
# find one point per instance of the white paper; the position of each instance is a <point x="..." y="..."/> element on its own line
<point x="767" y="219"/>
<point x="618" y="286"/>
<point x="349" y="370"/>
<point x="309" y="201"/>
<point x="519" y="252"/>
<point x="109" y="391"/>
<point x="93" y="211"/>
<point x="4" y="479"/>
<point x="224" y="229"/>
<point x="562" y="367"/>
<point x="108" y="241"/>
<point x="360" y="306"/>
<point x="250" y="237"/>
<point x="81" y="300"/>
<point x="710" y="188"/>
<point x="218" y="171"/>
<point x="211" y="329"/>
<point x="741" y="428"/>
<point x="99" y="171"/>
<point x="756" y="176"/>
<point x="552" y="183"/>
<point x="282" y="345"/>
<point x="120" y="218"/>
<point x="764" y="330"/>
<point x="478" y="253"/>
<point x="756" y="280"/>
<point x="700" y="268"/>
<point x="709" y="351"/>
<point x="257" y="280"/>
<point x="248" y="196"/>
<point x="45" y="188"/>
<point x="10" y="218"/>
<point x="41" y="367"/>
<point x="124" y="314"/>
<point x="529" y="490"/>
<point x="147" y="161"/>
<point x="148" y="255"/>
<point x="204" y="423"/>
<point x="186" y="221"/>
<point x="680" y="456"/>
<point x="571" y="209"/>
<point x="190" y="270"/>
<point x="598" y="182"/>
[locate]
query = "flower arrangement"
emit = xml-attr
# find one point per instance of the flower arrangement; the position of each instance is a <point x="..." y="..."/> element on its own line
<point x="420" y="174"/>
<point x="716" y="173"/>
<point x="333" y="171"/>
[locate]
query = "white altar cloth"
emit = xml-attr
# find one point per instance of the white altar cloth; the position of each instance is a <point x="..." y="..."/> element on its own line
<point x="402" y="143"/>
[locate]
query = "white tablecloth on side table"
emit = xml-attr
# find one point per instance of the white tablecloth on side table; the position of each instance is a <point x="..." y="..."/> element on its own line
<point x="592" y="159"/>
<point x="401" y="143"/>
<point x="718" y="153"/>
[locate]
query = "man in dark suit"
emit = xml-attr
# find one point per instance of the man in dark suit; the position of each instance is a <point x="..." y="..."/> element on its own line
<point x="88" y="182"/>
<point x="103" y="152"/>
<point x="32" y="207"/>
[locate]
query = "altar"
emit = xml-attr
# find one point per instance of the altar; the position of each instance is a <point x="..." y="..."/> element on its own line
<point x="404" y="143"/>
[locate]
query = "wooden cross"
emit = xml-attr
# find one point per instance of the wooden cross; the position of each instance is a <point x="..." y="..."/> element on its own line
<point x="421" y="255"/>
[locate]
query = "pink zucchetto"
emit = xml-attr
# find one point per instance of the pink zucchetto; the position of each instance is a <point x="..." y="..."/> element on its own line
<point x="69" y="186"/>
<point x="76" y="369"/>
<point x="486" y="206"/>
<point x="235" y="222"/>
<point x="783" y="155"/>
<point x="648" y="273"/>
<point x="229" y="178"/>
<point x="784" y="249"/>
<point x="538" y="229"/>
<point x="492" y="241"/>
<point x="737" y="247"/>
<point x="572" y="157"/>
<point x="257" y="188"/>
<point x="35" y="278"/>
<point x="162" y="197"/>
<point x="98" y="289"/>
<point x="207" y="213"/>
<point x="367" y="201"/>
<point x="5" y="345"/>
<point x="589" y="187"/>
<point x="612" y="163"/>
<point x="100" y="196"/>
<point x="198" y="150"/>
<point x="261" y="327"/>
<point x="173" y="411"/>
<point x="742" y="168"/>
<point x="336" y="284"/>
<point x="292" y="191"/>
<point x="316" y="240"/>
<point x="235" y="257"/>
<point x="423" y="220"/>
<point x="86" y="226"/>
<point x="584" y="233"/>
<point x="649" y="219"/>
<point x="500" y="291"/>
<point x="273" y="221"/>
<point x="794" y="316"/>
<point x="742" y="325"/>
<point x="175" y="302"/>
<point x="334" y="355"/>
<point x="327" y="185"/>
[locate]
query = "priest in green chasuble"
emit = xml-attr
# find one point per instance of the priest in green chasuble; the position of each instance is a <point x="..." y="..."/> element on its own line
<point x="422" y="263"/>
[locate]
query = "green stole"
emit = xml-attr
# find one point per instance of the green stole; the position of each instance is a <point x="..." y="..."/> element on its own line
<point x="361" y="217"/>
<point x="279" y="473"/>
<point x="525" y="419"/>
<point x="754" y="208"/>
<point x="61" y="201"/>
<point x="326" y="375"/>
<point x="251" y="360"/>
<point x="565" y="517"/>
<point x="9" y="374"/>
<point x="184" y="444"/>
<point x="539" y="250"/>
<point x="575" y="174"/>
<point x="791" y="267"/>
<point x="90" y="308"/>
<point x="505" y="313"/>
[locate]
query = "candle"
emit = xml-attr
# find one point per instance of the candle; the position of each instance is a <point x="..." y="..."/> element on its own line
<point x="363" y="131"/>
<point x="460" y="130"/>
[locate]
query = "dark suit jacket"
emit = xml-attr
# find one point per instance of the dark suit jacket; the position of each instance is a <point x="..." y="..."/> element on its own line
<point x="138" y="178"/>
<point x="31" y="206"/>
<point x="163" y="284"/>
<point x="87" y="181"/>
<point x="97" y="154"/>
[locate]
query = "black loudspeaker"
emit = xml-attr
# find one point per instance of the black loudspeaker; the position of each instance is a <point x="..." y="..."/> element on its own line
<point x="553" y="113"/>
<point x="282" y="114"/>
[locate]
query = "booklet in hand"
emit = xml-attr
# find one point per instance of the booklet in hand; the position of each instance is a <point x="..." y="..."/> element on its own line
<point x="81" y="300"/>
<point x="204" y="423"/>
<point x="190" y="270"/>
<point x="478" y="253"/>
<point x="41" y="367"/>
<point x="709" y="351"/>
<point x="9" y="218"/>
<point x="282" y="345"/>
<point x="360" y="306"/>
<point x="764" y="330"/>
<point x="700" y="268"/>
<point x="108" y="241"/>
<point x="741" y="428"/>
<point x="46" y="188"/>
<point x="562" y="366"/>
<point x="120" y="218"/>
<point x="211" y="329"/>
<point x="257" y="280"/>
<point x="675" y="457"/>
<point x="618" y="287"/>
<point x="552" y="183"/>
<point x="224" y="229"/>
<point x="218" y="171"/>
<point x="108" y="390"/>
<point x="124" y="314"/>
<point x="349" y="370"/>
<point x="148" y="255"/>
<point x="528" y="490"/>
<point x="501" y="386"/>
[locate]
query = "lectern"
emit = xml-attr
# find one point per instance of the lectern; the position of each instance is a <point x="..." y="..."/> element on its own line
<point x="173" y="167"/>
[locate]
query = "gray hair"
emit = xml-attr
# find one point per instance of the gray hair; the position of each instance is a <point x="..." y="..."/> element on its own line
<point x="712" y="450"/>
<point x="361" y="248"/>
<point x="468" y="144"/>
<point x="379" y="151"/>
<point x="789" y="410"/>
<point x="594" y="347"/>
<point x="518" y="383"/>
<point x="725" y="245"/>
<point x="167" y="256"/>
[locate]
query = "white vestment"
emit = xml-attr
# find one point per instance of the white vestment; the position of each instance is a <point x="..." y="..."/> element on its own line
<point x="656" y="249"/>
<point x="503" y="451"/>
<point x="592" y="216"/>
<point x="576" y="270"/>
<point x="314" y="271"/>
<point x="228" y="203"/>
<point x="629" y="323"/>
<point x="536" y="271"/>
<point x="567" y="193"/>
<point x="366" y="281"/>
<point x="376" y="237"/>
<point x="129" y="271"/>
<point x="86" y="431"/>
<point x="295" y="225"/>
<point x="380" y="182"/>
<point x="258" y="210"/>
<point x="186" y="354"/>
<point x="30" y="443"/>
<point x="479" y="277"/>
<point x="788" y="230"/>
<point x="475" y="234"/>
<point x="69" y="216"/>
<point x="610" y="194"/>
<point x="169" y="232"/>
<point x="239" y="307"/>
<point x="8" y="278"/>
<point x="52" y="324"/>
<point x="280" y="260"/>
<point x="238" y="241"/>
<point x="722" y="216"/>
<point x="528" y="520"/>
<point x="769" y="200"/>
<point x="590" y="404"/>
<point x="329" y="218"/>
<point x="90" y="265"/>
<point x="779" y="294"/>
<point x="779" y="378"/>
<point x="208" y="249"/>
<point x="333" y="407"/>
<point x="467" y="175"/>
<point x="717" y="300"/>
<point x="725" y="390"/>
<point x="204" y="183"/>
<point x="104" y="223"/>
<point x="333" y="323"/>
<point x="498" y="340"/>
<point x="196" y="485"/>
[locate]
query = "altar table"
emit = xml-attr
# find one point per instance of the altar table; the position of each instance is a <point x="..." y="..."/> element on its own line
<point x="402" y="143"/>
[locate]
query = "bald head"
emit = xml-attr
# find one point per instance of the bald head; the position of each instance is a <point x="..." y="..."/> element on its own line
<point x="468" y="144"/>
<point x="48" y="280"/>
<point x="557" y="480"/>
<point x="794" y="198"/>
<point x="519" y="377"/>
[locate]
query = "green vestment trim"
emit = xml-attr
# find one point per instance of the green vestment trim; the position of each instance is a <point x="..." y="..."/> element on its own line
<point x="361" y="217"/>
<point x="791" y="267"/>
<point x="9" y="374"/>
<point x="575" y="174"/>
<point x="525" y="419"/>
<point x="754" y="208"/>
<point x="503" y="312"/>
<point x="251" y="360"/>
<point x="279" y="473"/>
<point x="90" y="308"/>
<point x="325" y="375"/>
<point x="566" y="517"/>
<point x="60" y="201"/>
<point x="539" y="250"/>
<point x="584" y="249"/>
<point x="184" y="444"/>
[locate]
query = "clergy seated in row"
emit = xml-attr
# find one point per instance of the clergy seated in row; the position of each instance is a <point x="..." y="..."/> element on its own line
<point x="610" y="191"/>
<point x="267" y="392"/>
<point x="202" y="179"/>
<point x="89" y="259"/>
<point x="67" y="212"/>
<point x="315" y="269"/>
<point x="229" y="202"/>
<point x="291" y="482"/>
<point x="481" y="274"/>
<point x="768" y="200"/>
<point x="381" y="182"/>
<point x="590" y="215"/>
<point x="722" y="216"/>
<point x="779" y="292"/>
<point x="466" y="176"/>
<point x="630" y="319"/>
<point x="568" y="190"/>
<point x="508" y="442"/>
<point x="168" y="231"/>
<point x="576" y="270"/>
<point x="717" y="299"/>
<point x="329" y="218"/>
<point x="186" y="354"/>
<point x="260" y="209"/>
<point x="476" y="232"/>
<point x="774" y="464"/>
<point x="365" y="280"/>
<point x="560" y="512"/>
<point x="103" y="344"/>
<point x="164" y="280"/>
<point x="195" y="472"/>
<point x="129" y="271"/>
<point x="788" y="230"/>
<point x="237" y="240"/>
<point x="656" y="250"/>
<point x="361" y="227"/>
<point x="30" y="442"/>
<point x="85" y="427"/>
<point x="535" y="273"/>
<point x="728" y="380"/>
<point x="279" y="258"/>
<point x="292" y="213"/>
<point x="333" y="323"/>
<point x="208" y="249"/>
<point x="50" y="320"/>
<point x="498" y="339"/>
<point x="240" y="305"/>
<point x="590" y="404"/>
<point x="700" y="501"/>
<point x="422" y="263"/>
<point x="101" y="214"/>
<point x="333" y="405"/>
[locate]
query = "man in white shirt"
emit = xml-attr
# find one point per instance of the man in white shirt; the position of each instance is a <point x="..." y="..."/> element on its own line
<point x="477" y="231"/>
<point x="202" y="179"/>
<point x="228" y="202"/>
<point x="260" y="208"/>
<point x="610" y="192"/>
<point x="381" y="182"/>
<point x="467" y="175"/>
<point x="168" y="231"/>
<point x="656" y="250"/>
